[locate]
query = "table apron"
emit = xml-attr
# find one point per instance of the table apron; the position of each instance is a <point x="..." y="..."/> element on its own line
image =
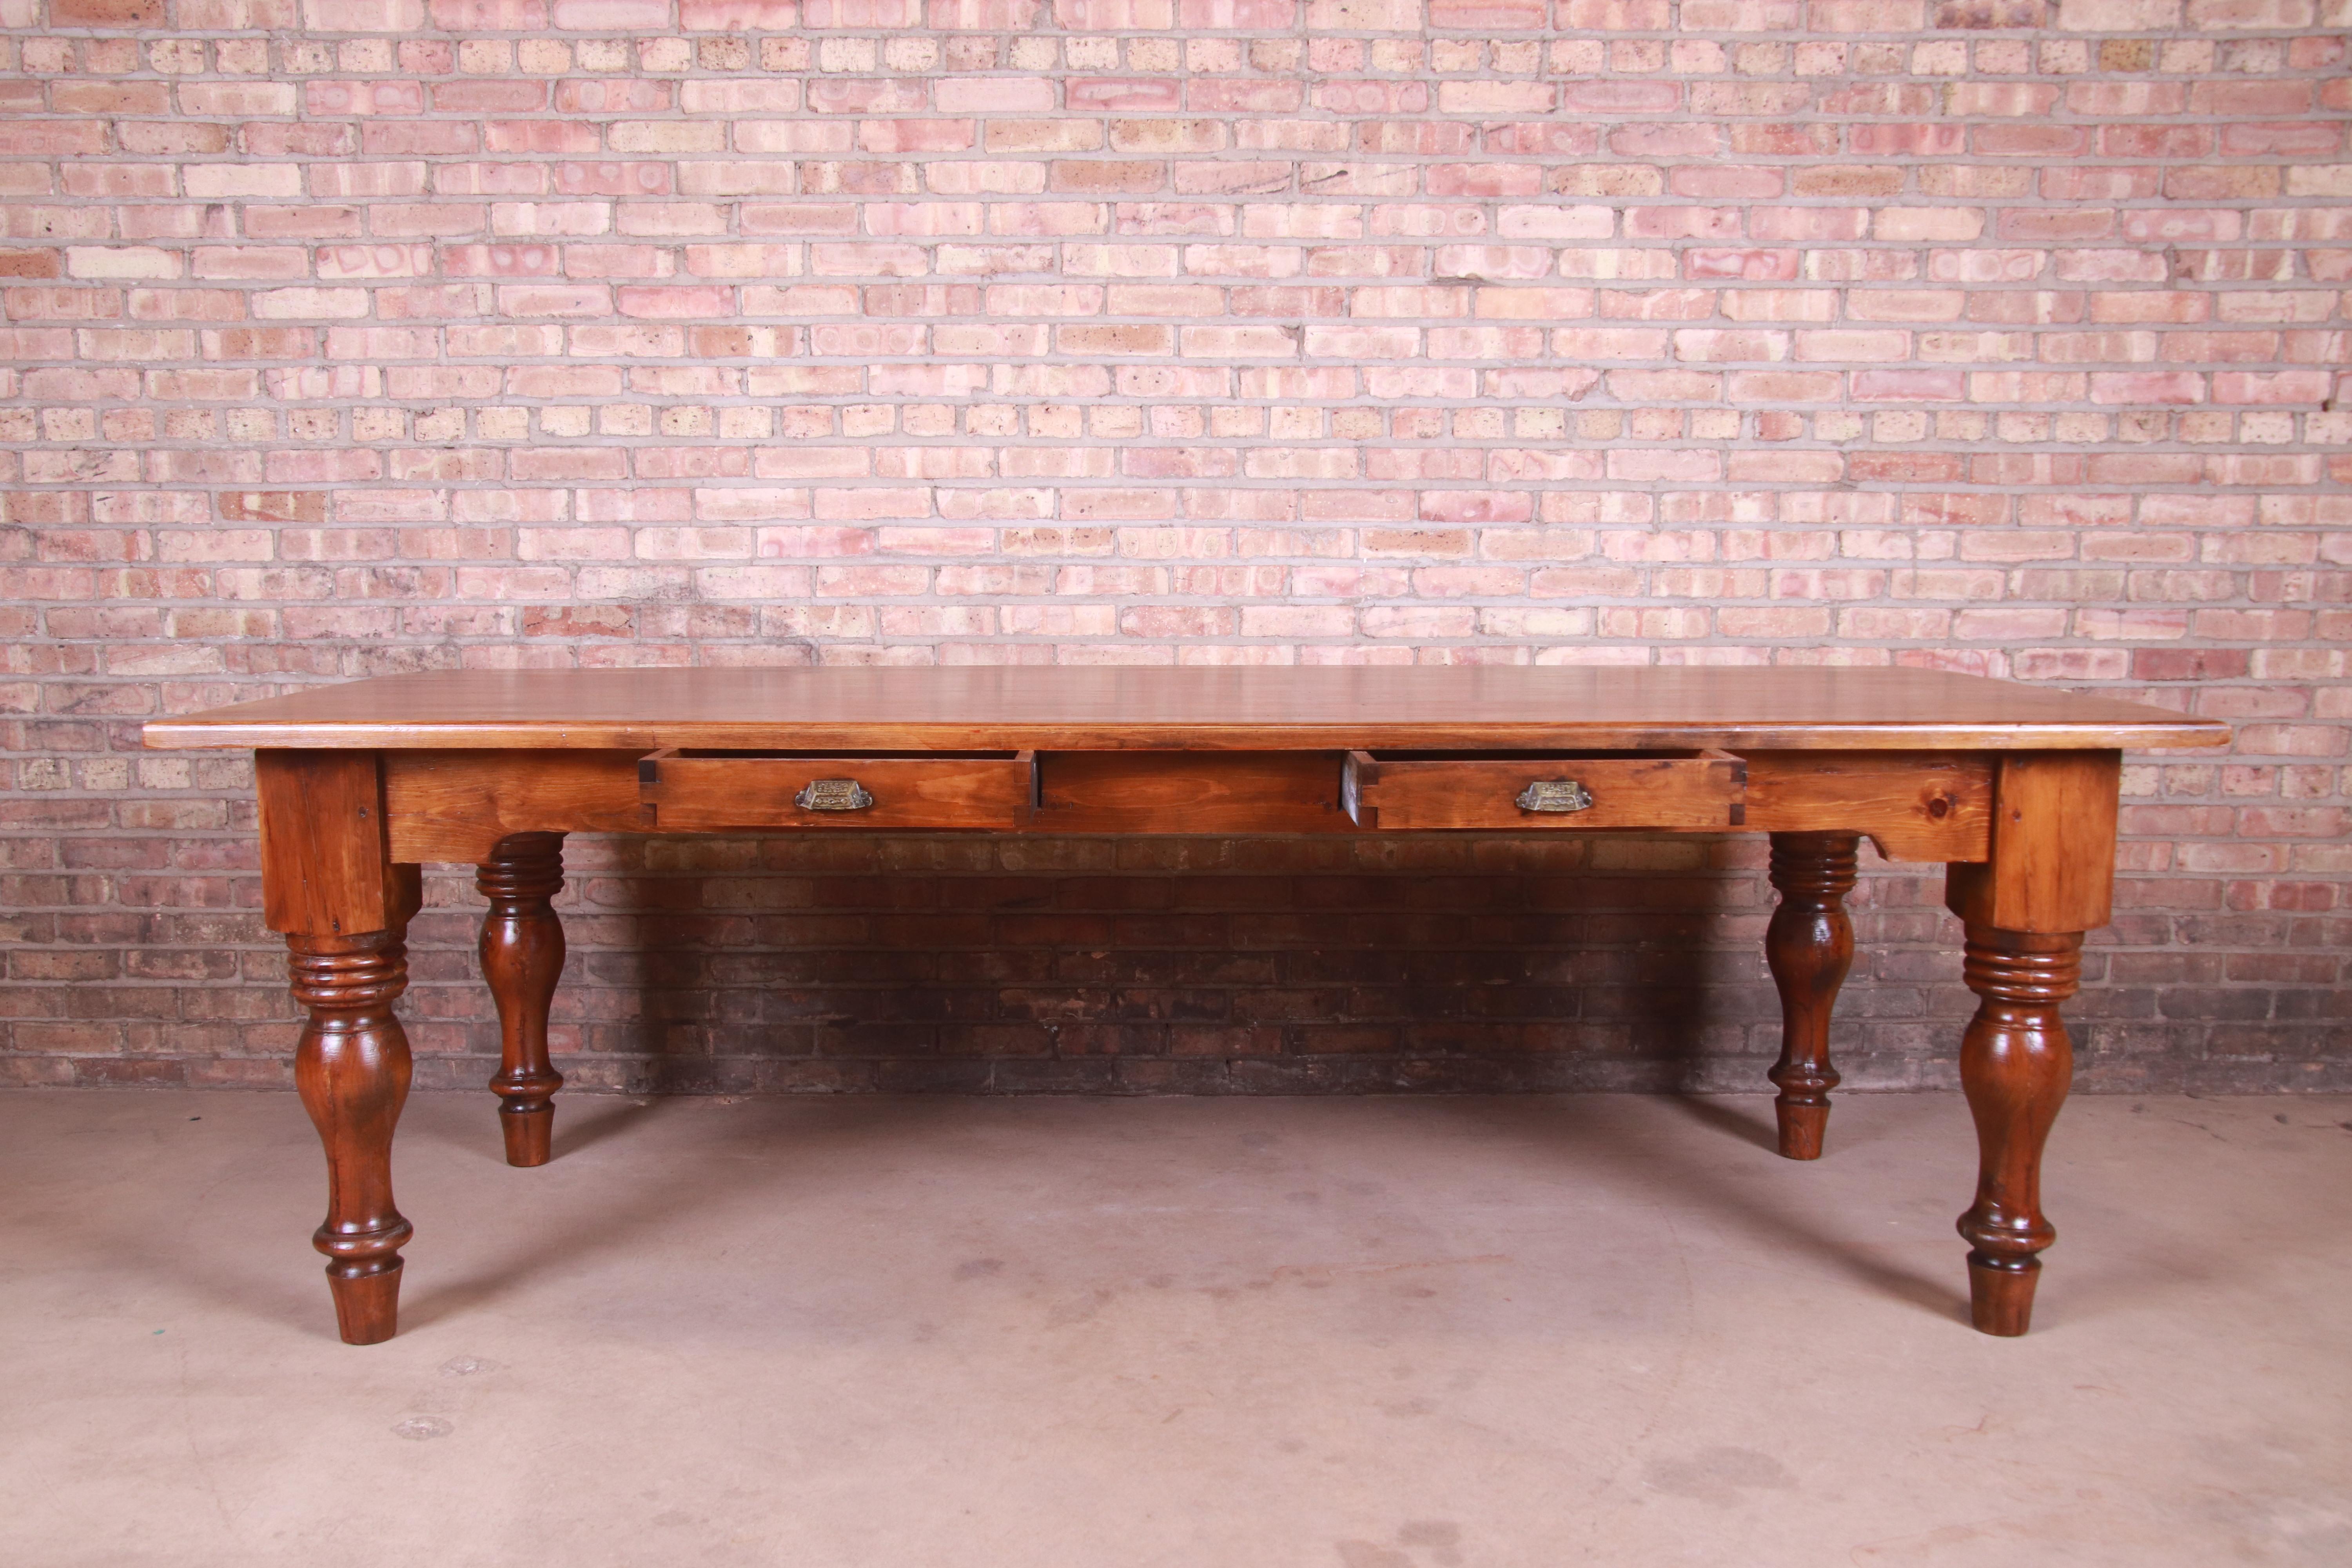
<point x="453" y="807"/>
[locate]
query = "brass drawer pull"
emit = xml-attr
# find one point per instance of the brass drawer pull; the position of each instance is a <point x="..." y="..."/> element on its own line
<point x="1555" y="795"/>
<point x="834" y="795"/>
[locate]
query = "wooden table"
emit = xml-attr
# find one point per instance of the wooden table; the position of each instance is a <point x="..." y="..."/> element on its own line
<point x="2013" y="787"/>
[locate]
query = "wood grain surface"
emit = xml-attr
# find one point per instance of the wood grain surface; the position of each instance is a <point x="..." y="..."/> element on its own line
<point x="1914" y="806"/>
<point x="2053" y="847"/>
<point x="691" y="793"/>
<point x="325" y="870"/>
<point x="1250" y="708"/>
<point x="1188" y="792"/>
<point x="1688" y="792"/>
<point x="457" y="805"/>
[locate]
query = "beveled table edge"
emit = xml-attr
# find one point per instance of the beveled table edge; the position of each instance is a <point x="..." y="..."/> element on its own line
<point x="199" y="733"/>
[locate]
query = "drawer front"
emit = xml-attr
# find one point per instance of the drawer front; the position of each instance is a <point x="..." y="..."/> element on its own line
<point x="1689" y="791"/>
<point x="687" y="790"/>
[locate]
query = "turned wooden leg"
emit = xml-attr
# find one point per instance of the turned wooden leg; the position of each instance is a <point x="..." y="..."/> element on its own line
<point x="522" y="956"/>
<point x="1810" y="946"/>
<point x="2015" y="1062"/>
<point x="351" y="1067"/>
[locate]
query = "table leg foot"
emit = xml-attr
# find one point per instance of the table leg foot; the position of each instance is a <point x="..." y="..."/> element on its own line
<point x="2015" y="1064"/>
<point x="529" y="1131"/>
<point x="1809" y="947"/>
<point x="523" y="958"/>
<point x="352" y="1068"/>
<point x="367" y="1305"/>
<point x="1801" y="1128"/>
<point x="2000" y="1298"/>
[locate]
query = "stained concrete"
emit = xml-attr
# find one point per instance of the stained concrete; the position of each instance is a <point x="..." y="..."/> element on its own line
<point x="1394" y="1333"/>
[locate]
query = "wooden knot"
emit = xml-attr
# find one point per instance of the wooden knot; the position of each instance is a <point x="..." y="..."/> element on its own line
<point x="347" y="973"/>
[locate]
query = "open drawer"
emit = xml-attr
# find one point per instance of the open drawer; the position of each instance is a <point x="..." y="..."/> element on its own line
<point x="684" y="789"/>
<point x="1518" y="790"/>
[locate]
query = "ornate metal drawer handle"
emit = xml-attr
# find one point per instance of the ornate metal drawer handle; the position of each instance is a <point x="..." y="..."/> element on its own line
<point x="834" y="795"/>
<point x="1555" y="795"/>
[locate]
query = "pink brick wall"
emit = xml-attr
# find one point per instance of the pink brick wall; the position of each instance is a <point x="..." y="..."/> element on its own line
<point x="353" y="336"/>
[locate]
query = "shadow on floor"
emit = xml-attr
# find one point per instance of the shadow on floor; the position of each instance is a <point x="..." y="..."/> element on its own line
<point x="793" y="1146"/>
<point x="1730" y="1117"/>
<point x="1576" y="1131"/>
<point x="806" y="1150"/>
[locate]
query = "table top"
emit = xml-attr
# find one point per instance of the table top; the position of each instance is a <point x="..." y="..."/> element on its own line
<point x="1255" y="707"/>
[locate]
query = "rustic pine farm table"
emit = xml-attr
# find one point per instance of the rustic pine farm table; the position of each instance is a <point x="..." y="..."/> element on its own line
<point x="2014" y="788"/>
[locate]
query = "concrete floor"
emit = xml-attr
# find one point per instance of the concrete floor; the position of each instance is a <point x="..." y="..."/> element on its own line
<point x="1394" y="1333"/>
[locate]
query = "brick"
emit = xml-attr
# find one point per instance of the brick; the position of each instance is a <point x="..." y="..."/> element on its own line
<point x="122" y="261"/>
<point x="2118" y="15"/>
<point x="991" y="95"/>
<point x="738" y="16"/>
<point x="489" y="15"/>
<point x="611" y="15"/>
<point x="110" y="14"/>
<point x="1489" y="15"/>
